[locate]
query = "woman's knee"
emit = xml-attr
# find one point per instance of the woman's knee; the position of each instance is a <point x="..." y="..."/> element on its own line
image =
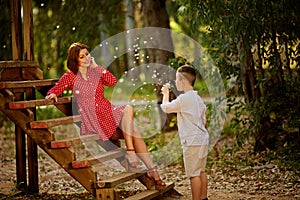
<point x="128" y="111"/>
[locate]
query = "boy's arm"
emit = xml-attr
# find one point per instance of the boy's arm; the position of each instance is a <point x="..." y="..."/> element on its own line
<point x="169" y="107"/>
<point x="166" y="94"/>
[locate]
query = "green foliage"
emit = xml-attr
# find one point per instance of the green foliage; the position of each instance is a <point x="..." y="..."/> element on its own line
<point x="58" y="24"/>
<point x="269" y="33"/>
<point x="5" y="33"/>
<point x="48" y="112"/>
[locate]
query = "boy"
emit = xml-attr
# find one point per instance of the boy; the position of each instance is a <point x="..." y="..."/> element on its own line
<point x="193" y="135"/>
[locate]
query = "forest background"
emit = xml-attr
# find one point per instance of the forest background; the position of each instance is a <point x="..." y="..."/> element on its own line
<point x="252" y="42"/>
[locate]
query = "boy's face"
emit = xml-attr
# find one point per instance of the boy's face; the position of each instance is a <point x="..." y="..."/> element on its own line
<point x="179" y="81"/>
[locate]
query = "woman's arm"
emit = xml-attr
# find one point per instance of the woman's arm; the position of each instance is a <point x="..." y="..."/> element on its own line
<point x="63" y="83"/>
<point x="108" y="78"/>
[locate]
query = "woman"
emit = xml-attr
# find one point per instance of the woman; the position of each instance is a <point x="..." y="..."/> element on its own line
<point x="86" y="80"/>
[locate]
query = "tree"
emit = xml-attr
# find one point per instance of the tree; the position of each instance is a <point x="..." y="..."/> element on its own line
<point x="155" y="15"/>
<point x="57" y="24"/>
<point x="259" y="43"/>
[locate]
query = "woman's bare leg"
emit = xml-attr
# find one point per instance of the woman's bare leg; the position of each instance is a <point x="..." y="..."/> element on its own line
<point x="133" y="140"/>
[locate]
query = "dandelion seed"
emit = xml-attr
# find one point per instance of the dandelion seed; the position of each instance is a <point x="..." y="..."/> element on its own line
<point x="145" y="42"/>
<point x="116" y="48"/>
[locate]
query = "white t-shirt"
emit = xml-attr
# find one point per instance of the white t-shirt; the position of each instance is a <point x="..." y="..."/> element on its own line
<point x="191" y="118"/>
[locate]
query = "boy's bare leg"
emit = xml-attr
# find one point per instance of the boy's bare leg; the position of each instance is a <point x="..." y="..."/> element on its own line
<point x="196" y="187"/>
<point x="204" y="185"/>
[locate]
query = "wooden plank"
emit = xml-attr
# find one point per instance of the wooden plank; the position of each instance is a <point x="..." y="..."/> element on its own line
<point x="85" y="176"/>
<point x="39" y="102"/>
<point x="150" y="194"/>
<point x="117" y="179"/>
<point x="145" y="195"/>
<point x="107" y="193"/>
<point x="32" y="73"/>
<point x="18" y="63"/>
<point x="73" y="141"/>
<point x="25" y="84"/>
<point x="16" y="26"/>
<point x="54" y="122"/>
<point x="109" y="155"/>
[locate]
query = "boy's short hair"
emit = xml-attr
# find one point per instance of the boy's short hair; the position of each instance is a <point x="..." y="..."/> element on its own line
<point x="188" y="72"/>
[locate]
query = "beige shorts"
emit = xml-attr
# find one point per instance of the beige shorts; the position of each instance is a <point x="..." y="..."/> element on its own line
<point x="194" y="158"/>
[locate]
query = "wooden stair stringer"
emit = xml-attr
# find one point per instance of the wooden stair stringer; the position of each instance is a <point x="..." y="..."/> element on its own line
<point x="85" y="176"/>
<point x="43" y="137"/>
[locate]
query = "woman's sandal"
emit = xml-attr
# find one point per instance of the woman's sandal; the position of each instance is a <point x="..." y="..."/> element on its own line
<point x="131" y="163"/>
<point x="158" y="183"/>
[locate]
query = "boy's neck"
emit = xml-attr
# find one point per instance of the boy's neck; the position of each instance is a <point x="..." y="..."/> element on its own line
<point x="188" y="88"/>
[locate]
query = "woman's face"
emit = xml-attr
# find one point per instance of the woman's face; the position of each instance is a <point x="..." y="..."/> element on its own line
<point x="84" y="58"/>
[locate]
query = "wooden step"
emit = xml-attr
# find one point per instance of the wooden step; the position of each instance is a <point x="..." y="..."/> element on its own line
<point x="117" y="179"/>
<point x="26" y="84"/>
<point x="18" y="63"/>
<point x="150" y="194"/>
<point x="73" y="141"/>
<point x="54" y="122"/>
<point x="39" y="102"/>
<point x="109" y="155"/>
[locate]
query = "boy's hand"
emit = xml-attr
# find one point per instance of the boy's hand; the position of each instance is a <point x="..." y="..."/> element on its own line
<point x="165" y="89"/>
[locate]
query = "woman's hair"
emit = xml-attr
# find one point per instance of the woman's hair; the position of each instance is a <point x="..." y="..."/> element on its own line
<point x="73" y="54"/>
<point x="188" y="73"/>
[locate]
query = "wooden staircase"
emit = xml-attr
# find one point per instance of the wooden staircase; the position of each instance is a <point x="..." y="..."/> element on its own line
<point x="22" y="113"/>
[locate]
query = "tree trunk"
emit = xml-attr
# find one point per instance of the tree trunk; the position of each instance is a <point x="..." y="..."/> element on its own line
<point x="248" y="74"/>
<point x="155" y="15"/>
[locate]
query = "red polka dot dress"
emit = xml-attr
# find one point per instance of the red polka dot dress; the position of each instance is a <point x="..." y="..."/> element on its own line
<point x="97" y="113"/>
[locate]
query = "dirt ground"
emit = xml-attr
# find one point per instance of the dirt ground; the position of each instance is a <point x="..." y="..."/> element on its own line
<point x="261" y="181"/>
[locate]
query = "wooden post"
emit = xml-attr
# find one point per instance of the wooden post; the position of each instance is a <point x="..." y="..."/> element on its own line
<point x="16" y="28"/>
<point x="33" y="186"/>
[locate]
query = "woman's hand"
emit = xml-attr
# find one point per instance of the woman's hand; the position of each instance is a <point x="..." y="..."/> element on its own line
<point x="51" y="96"/>
<point x="93" y="63"/>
